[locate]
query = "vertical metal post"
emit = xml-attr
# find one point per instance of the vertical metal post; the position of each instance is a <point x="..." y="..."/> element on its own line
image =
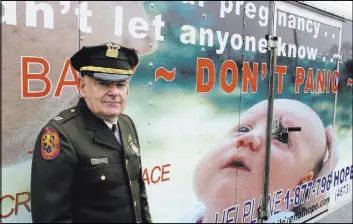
<point x="338" y="59"/>
<point x="272" y="47"/>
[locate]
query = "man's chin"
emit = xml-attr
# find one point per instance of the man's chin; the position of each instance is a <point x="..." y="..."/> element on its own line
<point x="112" y="113"/>
<point x="109" y="115"/>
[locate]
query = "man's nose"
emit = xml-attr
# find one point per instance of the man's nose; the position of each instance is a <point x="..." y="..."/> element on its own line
<point x="114" y="90"/>
<point x="251" y="139"/>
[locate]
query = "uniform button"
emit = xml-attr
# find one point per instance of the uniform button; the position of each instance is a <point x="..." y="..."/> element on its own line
<point x="127" y="162"/>
<point x="130" y="184"/>
<point x="135" y="203"/>
<point x="73" y="110"/>
<point x="102" y="177"/>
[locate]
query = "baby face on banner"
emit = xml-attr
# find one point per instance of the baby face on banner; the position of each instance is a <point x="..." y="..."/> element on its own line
<point x="23" y="117"/>
<point x="232" y="172"/>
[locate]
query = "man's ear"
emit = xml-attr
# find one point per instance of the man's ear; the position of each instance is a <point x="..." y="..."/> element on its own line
<point x="82" y="85"/>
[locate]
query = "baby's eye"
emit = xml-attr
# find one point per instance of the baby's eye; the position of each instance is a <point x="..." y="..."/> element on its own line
<point x="243" y="129"/>
<point x="282" y="137"/>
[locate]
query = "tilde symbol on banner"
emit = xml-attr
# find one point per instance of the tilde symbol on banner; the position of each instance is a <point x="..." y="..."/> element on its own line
<point x="162" y="72"/>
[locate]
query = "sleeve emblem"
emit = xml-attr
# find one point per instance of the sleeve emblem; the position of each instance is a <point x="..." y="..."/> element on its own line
<point x="50" y="143"/>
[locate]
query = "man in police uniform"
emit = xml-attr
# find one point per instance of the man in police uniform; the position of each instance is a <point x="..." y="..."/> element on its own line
<point x="86" y="164"/>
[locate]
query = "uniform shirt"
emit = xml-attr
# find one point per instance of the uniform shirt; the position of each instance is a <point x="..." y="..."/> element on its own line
<point x="116" y="133"/>
<point x="63" y="176"/>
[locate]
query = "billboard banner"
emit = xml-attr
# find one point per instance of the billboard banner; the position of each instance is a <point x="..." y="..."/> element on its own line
<point x="342" y="193"/>
<point x="198" y="98"/>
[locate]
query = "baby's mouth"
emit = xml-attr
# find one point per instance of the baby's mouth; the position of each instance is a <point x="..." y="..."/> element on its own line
<point x="237" y="164"/>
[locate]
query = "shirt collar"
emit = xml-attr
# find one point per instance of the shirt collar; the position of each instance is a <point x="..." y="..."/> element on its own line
<point x="110" y="125"/>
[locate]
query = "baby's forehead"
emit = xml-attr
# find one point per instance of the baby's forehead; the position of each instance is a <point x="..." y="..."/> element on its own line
<point x="289" y="114"/>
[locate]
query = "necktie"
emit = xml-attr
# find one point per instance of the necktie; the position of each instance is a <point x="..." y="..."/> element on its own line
<point x="113" y="128"/>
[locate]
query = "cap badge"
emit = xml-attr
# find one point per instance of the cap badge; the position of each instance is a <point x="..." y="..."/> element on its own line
<point x="113" y="50"/>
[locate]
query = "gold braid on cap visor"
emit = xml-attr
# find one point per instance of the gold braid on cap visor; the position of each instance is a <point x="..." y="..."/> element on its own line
<point x="106" y="70"/>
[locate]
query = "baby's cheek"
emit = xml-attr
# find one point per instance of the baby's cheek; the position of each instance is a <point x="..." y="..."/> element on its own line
<point x="206" y="172"/>
<point x="202" y="184"/>
<point x="201" y="172"/>
<point x="283" y="167"/>
<point x="282" y="159"/>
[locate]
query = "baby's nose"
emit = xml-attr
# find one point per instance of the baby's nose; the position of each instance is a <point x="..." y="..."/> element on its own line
<point x="251" y="140"/>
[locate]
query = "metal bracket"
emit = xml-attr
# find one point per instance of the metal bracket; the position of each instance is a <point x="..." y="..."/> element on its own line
<point x="262" y="214"/>
<point x="272" y="42"/>
<point x="337" y="57"/>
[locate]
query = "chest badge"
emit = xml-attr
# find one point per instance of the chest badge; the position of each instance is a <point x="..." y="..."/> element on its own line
<point x="132" y="146"/>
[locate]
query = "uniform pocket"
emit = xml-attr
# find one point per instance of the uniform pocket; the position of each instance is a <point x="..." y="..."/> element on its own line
<point x="102" y="175"/>
<point x="100" y="188"/>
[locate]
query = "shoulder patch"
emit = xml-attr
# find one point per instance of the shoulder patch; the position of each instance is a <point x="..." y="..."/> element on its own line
<point x="50" y="143"/>
<point x="65" y="115"/>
